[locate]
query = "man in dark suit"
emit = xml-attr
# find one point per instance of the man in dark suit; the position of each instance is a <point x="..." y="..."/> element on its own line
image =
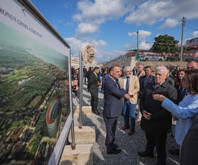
<point x="112" y="107"/>
<point x="145" y="80"/>
<point x="93" y="89"/>
<point x="85" y="74"/>
<point x="156" y="121"/>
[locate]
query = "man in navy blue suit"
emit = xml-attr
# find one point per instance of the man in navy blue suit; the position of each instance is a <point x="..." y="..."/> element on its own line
<point x="113" y="95"/>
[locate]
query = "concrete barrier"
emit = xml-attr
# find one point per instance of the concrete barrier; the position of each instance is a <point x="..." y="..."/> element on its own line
<point x="85" y="135"/>
<point x="83" y="154"/>
<point x="86" y="111"/>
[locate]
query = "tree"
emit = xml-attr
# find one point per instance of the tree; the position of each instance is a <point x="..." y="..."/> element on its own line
<point x="165" y="43"/>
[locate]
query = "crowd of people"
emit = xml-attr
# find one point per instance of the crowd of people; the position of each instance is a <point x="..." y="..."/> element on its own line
<point x="156" y="100"/>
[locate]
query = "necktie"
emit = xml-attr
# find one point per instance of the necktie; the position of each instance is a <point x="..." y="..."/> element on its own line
<point x="127" y="84"/>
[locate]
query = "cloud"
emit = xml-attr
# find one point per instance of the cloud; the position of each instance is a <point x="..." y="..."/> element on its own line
<point x="101" y="10"/>
<point x="145" y="45"/>
<point x="169" y="23"/>
<point x="142" y="34"/>
<point x="86" y="28"/>
<point x="195" y="34"/>
<point x="109" y="55"/>
<point x="142" y="43"/>
<point x="98" y="12"/>
<point x="172" y="11"/>
<point x="147" y="13"/>
<point x="132" y="34"/>
<point x="100" y="55"/>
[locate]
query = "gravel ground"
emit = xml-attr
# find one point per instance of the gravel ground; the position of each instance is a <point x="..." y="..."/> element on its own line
<point x="130" y="145"/>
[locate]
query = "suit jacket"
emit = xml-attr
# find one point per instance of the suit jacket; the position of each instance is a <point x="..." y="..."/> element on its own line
<point x="112" y="98"/>
<point x="134" y="87"/>
<point x="161" y="119"/>
<point x="151" y="80"/>
<point x="92" y="82"/>
<point x="170" y="81"/>
<point x="189" y="147"/>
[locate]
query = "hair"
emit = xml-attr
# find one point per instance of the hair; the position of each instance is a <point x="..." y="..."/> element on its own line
<point x="127" y="67"/>
<point x="96" y="68"/>
<point x="177" y="80"/>
<point x="141" y="65"/>
<point x="112" y="67"/>
<point x="192" y="76"/>
<point x="162" y="68"/>
<point x="193" y="61"/>
<point x="146" y="67"/>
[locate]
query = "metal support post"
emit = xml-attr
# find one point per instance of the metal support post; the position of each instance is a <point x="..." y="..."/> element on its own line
<point x="183" y="24"/>
<point x="73" y="145"/>
<point x="80" y="89"/>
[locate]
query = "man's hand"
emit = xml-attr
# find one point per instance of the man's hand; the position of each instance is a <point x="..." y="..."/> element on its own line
<point x="146" y="115"/>
<point x="127" y="96"/>
<point x="174" y="118"/>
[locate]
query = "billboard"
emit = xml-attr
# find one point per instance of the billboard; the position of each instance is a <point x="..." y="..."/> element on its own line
<point x="34" y="92"/>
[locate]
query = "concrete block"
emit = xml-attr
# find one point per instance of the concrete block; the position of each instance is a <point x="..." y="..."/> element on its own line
<point x="86" y="111"/>
<point x="85" y="135"/>
<point x="83" y="154"/>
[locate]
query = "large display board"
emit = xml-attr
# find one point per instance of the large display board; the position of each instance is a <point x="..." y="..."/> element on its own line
<point x="34" y="92"/>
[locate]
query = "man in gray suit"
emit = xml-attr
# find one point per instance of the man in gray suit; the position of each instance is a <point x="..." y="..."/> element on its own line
<point x="113" y="107"/>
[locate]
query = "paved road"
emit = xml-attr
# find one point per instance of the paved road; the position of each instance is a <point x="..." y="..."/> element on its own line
<point x="130" y="145"/>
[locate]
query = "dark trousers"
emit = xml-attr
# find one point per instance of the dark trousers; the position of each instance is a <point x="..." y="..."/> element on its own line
<point x="158" y="140"/>
<point x="94" y="100"/>
<point x="111" y="124"/>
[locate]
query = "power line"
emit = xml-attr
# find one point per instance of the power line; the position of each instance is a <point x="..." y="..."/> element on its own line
<point x="193" y="28"/>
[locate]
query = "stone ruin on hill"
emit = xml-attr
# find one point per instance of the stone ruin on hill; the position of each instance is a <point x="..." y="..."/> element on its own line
<point x="88" y="54"/>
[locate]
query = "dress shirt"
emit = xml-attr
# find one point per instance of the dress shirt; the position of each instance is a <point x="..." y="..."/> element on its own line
<point x="125" y="81"/>
<point x="185" y="112"/>
<point x="95" y="74"/>
<point x="157" y="85"/>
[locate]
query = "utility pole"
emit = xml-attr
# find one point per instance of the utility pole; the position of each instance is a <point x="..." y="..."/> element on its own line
<point x="137" y="53"/>
<point x="183" y="24"/>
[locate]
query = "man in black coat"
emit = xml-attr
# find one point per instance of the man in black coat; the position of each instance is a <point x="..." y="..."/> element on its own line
<point x="156" y="121"/>
<point x="113" y="107"/>
<point x="93" y="89"/>
<point x="85" y="74"/>
<point x="145" y="80"/>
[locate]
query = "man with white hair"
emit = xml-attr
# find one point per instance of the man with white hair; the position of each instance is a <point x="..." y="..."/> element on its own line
<point x="156" y="121"/>
<point x="140" y="69"/>
<point x="131" y="84"/>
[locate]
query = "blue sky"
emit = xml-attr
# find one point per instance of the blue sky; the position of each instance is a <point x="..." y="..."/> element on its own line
<point x="111" y="25"/>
